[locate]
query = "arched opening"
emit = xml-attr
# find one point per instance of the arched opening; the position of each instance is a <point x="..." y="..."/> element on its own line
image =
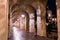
<point x="19" y="19"/>
<point x="51" y="19"/>
<point x="31" y="11"/>
<point x="22" y="21"/>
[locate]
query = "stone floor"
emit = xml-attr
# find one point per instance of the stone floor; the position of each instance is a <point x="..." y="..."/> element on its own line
<point x="22" y="35"/>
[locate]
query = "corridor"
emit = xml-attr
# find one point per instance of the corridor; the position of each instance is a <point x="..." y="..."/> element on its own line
<point x="28" y="18"/>
<point x="23" y="19"/>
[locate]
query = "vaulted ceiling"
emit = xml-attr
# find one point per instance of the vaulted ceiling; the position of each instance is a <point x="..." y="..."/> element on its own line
<point x="29" y="6"/>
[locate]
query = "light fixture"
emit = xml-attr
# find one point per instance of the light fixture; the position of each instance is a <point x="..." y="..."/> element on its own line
<point x="22" y="15"/>
<point x="49" y="15"/>
<point x="53" y="19"/>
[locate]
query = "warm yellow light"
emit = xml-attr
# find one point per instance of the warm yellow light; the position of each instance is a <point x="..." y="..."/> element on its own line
<point x="23" y="15"/>
<point x="49" y="15"/>
<point x="53" y="19"/>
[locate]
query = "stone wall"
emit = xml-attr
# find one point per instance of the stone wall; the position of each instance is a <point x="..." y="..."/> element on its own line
<point x="3" y="20"/>
<point x="58" y="17"/>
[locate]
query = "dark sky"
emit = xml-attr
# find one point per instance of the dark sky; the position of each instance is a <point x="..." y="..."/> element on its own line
<point x="52" y="6"/>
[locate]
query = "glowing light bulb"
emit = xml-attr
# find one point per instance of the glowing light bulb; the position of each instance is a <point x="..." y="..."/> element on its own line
<point x="49" y="15"/>
<point x="23" y="15"/>
<point x="52" y="19"/>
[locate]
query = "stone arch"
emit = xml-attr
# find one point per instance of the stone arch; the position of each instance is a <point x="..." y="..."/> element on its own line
<point x="16" y="14"/>
<point x="30" y="10"/>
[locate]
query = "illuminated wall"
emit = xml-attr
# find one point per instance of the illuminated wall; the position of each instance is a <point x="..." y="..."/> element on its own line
<point x="58" y="17"/>
<point x="3" y="19"/>
<point x="31" y="23"/>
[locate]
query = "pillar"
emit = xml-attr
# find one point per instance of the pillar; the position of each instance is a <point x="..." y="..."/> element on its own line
<point x="58" y="17"/>
<point x="3" y="19"/>
<point x="43" y="21"/>
<point x="41" y="26"/>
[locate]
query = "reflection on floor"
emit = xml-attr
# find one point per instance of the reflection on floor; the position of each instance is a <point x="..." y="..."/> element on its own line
<point x="22" y="35"/>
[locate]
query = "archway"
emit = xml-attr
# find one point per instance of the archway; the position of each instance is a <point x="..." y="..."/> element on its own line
<point x="36" y="6"/>
<point x="19" y="19"/>
<point x="31" y="11"/>
<point x="51" y="19"/>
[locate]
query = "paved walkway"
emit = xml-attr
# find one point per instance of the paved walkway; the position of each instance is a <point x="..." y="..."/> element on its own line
<point x="22" y="35"/>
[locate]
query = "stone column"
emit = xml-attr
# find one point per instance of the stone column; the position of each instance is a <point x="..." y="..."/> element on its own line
<point x="3" y="20"/>
<point x="58" y="22"/>
<point x="41" y="29"/>
<point x="58" y="17"/>
<point x="43" y="21"/>
<point x="40" y="8"/>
